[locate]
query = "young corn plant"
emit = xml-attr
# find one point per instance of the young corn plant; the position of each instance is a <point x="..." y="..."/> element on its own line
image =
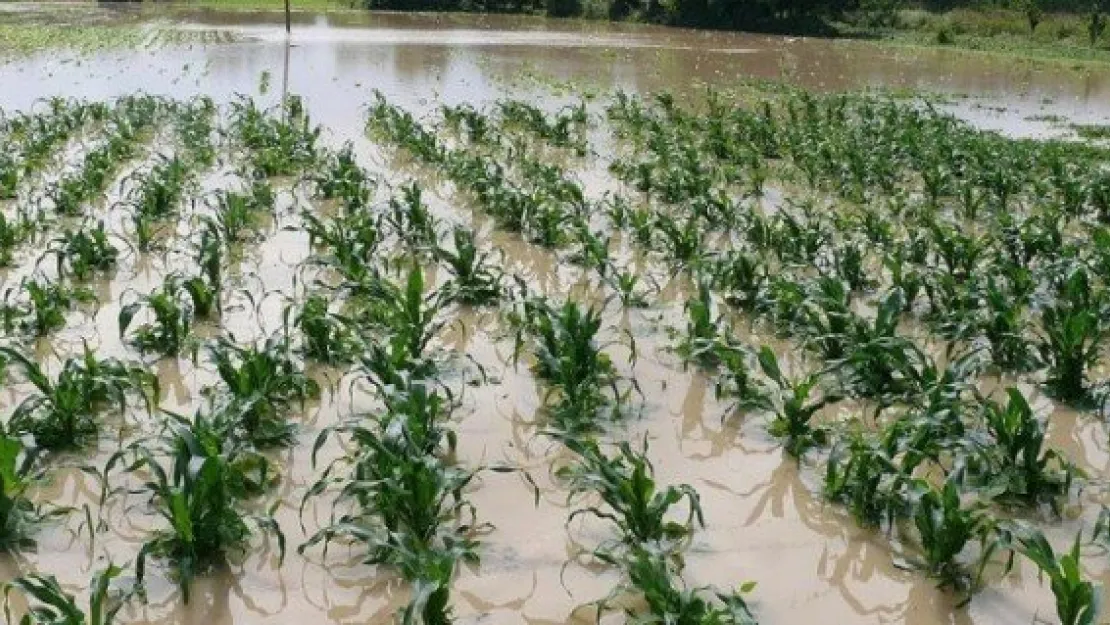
<point x="741" y="278"/>
<point x="1078" y="600"/>
<point x="351" y="242"/>
<point x="62" y="413"/>
<point x="1073" y="329"/>
<point x="1003" y="326"/>
<point x="475" y="281"/>
<point x="1015" y="466"/>
<point x="171" y="311"/>
<point x="277" y="144"/>
<point x="50" y="604"/>
<point x="407" y="506"/>
<point x="401" y="321"/>
<point x="262" y="383"/>
<point x="652" y="575"/>
<point x="570" y="359"/>
<point x="10" y="167"/>
<point x="405" y="494"/>
<point x="736" y="379"/>
<point x="20" y="471"/>
<point x="327" y="337"/>
<point x="639" y="508"/>
<point x="945" y="527"/>
<point x="342" y="178"/>
<point x="430" y="572"/>
<point x="83" y="251"/>
<point x="626" y="283"/>
<point x="158" y="193"/>
<point x="209" y="259"/>
<point x="13" y="233"/>
<point x="197" y="496"/>
<point x="870" y="474"/>
<point x="412" y="219"/>
<point x="43" y="307"/>
<point x="795" y="406"/>
<point x="702" y="341"/>
<point x="238" y="216"/>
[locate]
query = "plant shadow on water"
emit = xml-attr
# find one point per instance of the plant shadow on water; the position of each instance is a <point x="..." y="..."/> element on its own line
<point x="560" y="346"/>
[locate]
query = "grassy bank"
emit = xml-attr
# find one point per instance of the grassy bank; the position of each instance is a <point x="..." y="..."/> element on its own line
<point x="1057" y="37"/>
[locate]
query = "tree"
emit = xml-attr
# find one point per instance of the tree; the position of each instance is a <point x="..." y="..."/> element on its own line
<point x="1096" y="24"/>
<point x="1033" y="13"/>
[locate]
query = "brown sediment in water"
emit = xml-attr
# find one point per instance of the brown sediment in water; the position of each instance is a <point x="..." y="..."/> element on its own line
<point x="766" y="519"/>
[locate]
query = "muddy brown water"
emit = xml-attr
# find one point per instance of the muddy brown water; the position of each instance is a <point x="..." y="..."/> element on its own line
<point x="766" y="519"/>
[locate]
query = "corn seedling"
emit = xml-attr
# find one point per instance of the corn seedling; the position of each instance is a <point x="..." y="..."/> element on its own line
<point x="262" y="383"/>
<point x="238" y="215"/>
<point x="570" y="359"/>
<point x="1016" y="465"/>
<point x="43" y="308"/>
<point x="625" y="482"/>
<point x="50" y="604"/>
<point x="20" y="471"/>
<point x="83" y="251"/>
<point x="1078" y="601"/>
<point x="794" y="406"/>
<point x="327" y="337"/>
<point x="171" y="311"/>
<point x="197" y="498"/>
<point x="653" y="576"/>
<point x="474" y="280"/>
<point x="945" y="526"/>
<point x="1074" y="328"/>
<point x="63" y="412"/>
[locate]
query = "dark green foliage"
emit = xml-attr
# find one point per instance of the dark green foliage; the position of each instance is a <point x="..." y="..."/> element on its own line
<point x="237" y="216"/>
<point x="171" y="311"/>
<point x="475" y="281"/>
<point x="83" y="251"/>
<point x="20" y="470"/>
<point x="13" y="232"/>
<point x="50" y="604"/>
<point x="570" y="359"/>
<point x="261" y="384"/>
<point x="633" y="502"/>
<point x="278" y="142"/>
<point x="62" y="413"/>
<point x="41" y="308"/>
<point x="1078" y="601"/>
<point x="197" y="496"/>
<point x="945" y="527"/>
<point x="652" y="575"/>
<point x="869" y="474"/>
<point x="1016" y="465"/>
<point x="328" y="337"/>
<point x="1074" y="326"/>
<point x="795" y="405"/>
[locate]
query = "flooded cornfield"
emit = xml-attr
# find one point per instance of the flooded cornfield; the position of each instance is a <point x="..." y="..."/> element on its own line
<point x="431" y="319"/>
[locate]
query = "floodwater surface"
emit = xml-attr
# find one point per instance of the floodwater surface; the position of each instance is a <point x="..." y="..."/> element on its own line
<point x="336" y="60"/>
<point x="766" y="519"/>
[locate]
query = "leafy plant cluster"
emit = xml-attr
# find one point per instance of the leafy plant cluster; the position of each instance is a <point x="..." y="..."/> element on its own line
<point x="401" y="496"/>
<point x="33" y="136"/>
<point x="129" y="122"/>
<point x="654" y="524"/>
<point x="276" y="142"/>
<point x="810" y="274"/>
